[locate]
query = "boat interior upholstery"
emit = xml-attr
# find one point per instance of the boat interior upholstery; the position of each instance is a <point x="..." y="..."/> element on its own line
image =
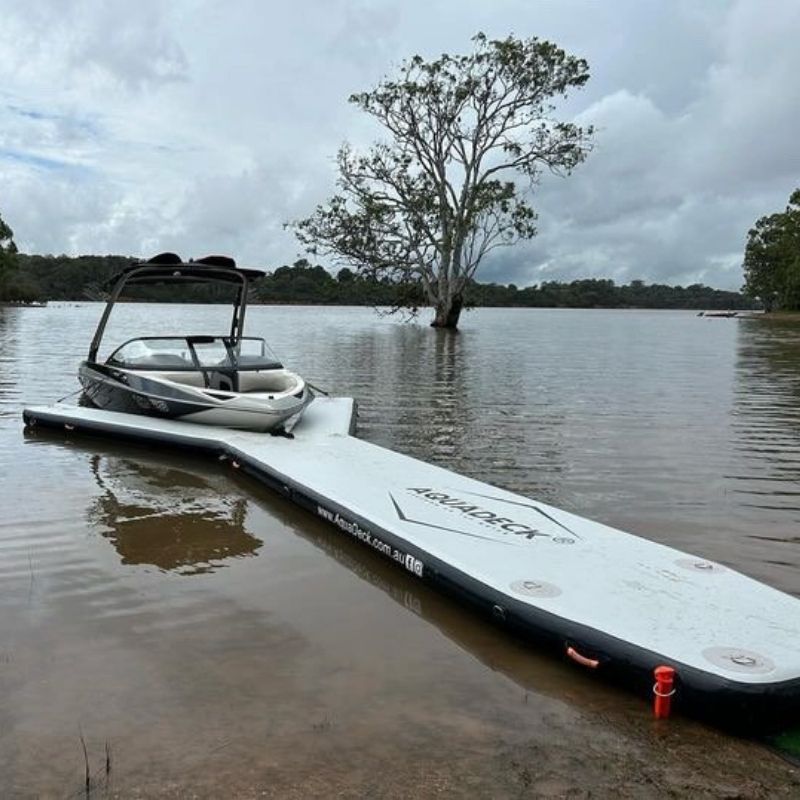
<point x="243" y="381"/>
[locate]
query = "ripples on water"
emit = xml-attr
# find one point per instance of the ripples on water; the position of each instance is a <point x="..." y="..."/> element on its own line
<point x="150" y="595"/>
<point x="687" y="429"/>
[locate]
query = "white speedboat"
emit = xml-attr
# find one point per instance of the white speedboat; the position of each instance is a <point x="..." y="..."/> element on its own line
<point x="228" y="380"/>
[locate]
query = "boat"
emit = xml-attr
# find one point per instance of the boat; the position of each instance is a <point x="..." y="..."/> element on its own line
<point x="228" y="380"/>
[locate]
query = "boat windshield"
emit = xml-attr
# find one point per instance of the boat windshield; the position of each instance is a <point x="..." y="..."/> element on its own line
<point x="194" y="353"/>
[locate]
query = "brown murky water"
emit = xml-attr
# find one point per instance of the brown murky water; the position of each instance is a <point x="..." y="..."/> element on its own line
<point x="204" y="638"/>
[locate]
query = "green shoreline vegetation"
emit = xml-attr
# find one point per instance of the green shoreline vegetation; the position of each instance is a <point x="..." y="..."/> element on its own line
<point x="772" y="259"/>
<point x="43" y="278"/>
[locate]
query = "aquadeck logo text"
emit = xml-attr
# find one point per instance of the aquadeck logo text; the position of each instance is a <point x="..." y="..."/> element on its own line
<point x="365" y="536"/>
<point x="476" y="512"/>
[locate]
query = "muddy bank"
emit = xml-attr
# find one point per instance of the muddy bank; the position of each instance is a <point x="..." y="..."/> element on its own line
<point x="479" y="761"/>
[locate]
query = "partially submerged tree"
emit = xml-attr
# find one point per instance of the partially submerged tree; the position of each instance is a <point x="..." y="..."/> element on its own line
<point x="772" y="258"/>
<point x="427" y="205"/>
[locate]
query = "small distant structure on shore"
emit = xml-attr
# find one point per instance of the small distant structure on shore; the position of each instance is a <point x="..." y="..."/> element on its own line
<point x="719" y="314"/>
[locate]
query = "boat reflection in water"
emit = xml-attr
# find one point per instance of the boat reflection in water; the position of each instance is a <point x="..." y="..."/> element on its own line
<point x="176" y="519"/>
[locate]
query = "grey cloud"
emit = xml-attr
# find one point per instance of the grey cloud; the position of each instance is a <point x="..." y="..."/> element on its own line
<point x="203" y="126"/>
<point x="109" y="44"/>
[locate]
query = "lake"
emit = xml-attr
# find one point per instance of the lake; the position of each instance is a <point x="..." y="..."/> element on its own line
<point x="200" y="635"/>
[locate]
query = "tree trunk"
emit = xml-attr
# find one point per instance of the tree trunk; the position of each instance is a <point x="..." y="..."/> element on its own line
<point x="447" y="312"/>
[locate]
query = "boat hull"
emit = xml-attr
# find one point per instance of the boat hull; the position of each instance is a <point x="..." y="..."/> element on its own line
<point x="126" y="391"/>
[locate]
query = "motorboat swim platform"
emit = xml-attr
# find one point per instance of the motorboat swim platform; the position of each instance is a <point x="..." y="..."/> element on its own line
<point x="617" y="604"/>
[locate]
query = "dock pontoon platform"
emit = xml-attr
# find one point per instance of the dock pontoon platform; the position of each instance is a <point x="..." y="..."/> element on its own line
<point x="615" y="603"/>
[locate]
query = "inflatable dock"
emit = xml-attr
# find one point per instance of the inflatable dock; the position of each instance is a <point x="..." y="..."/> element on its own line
<point x="611" y="602"/>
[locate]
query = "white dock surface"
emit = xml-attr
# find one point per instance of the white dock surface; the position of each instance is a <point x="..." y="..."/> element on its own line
<point x="687" y="610"/>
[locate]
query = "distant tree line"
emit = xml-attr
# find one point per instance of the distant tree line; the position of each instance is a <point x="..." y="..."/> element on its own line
<point x="604" y="293"/>
<point x="68" y="277"/>
<point x="86" y="278"/>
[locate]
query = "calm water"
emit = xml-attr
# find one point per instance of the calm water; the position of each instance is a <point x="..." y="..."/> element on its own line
<point x="213" y="639"/>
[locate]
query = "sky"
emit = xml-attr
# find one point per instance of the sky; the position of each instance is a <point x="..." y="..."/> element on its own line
<point x="202" y="126"/>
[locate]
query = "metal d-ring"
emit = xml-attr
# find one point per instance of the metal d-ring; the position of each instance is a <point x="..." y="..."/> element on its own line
<point x="662" y="694"/>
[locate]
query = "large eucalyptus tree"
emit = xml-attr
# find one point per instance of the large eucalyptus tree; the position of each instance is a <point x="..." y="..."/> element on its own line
<point x="468" y="137"/>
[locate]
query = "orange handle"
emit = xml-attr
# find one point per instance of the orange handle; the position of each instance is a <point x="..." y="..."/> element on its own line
<point x="592" y="663"/>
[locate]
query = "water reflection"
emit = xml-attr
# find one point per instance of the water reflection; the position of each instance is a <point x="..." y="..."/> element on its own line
<point x="766" y="422"/>
<point x="9" y="361"/>
<point x="172" y="518"/>
<point x="429" y="369"/>
<point x="461" y="401"/>
<point x="190" y="520"/>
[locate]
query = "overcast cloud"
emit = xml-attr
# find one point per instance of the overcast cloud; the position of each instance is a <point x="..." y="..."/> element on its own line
<point x="202" y="126"/>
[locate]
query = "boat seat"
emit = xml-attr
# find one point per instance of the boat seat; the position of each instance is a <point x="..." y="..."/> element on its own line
<point x="267" y="381"/>
<point x="219" y="379"/>
<point x="249" y="380"/>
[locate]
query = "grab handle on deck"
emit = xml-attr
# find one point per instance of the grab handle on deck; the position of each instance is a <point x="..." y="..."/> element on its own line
<point x="584" y="661"/>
